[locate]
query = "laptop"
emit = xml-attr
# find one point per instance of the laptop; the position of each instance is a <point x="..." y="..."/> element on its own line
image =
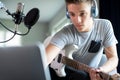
<point x="23" y="63"/>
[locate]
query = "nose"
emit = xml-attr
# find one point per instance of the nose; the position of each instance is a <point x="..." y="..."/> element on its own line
<point x="78" y="19"/>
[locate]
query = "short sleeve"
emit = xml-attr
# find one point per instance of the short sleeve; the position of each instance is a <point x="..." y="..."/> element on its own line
<point x="59" y="39"/>
<point x="110" y="38"/>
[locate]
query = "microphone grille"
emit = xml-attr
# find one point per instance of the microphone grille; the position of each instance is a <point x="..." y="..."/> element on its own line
<point x="31" y="17"/>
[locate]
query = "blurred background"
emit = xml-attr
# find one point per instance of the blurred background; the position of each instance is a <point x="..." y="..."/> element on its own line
<point x="52" y="19"/>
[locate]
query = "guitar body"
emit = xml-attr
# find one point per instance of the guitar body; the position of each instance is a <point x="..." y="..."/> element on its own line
<point x="59" y="67"/>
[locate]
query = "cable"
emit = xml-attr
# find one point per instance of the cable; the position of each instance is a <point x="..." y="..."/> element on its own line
<point x="13" y="31"/>
<point x="9" y="39"/>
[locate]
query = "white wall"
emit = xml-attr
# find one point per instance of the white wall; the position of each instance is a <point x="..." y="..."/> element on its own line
<point x="58" y="21"/>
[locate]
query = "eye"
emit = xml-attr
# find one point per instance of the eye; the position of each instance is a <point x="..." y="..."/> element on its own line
<point x="82" y="14"/>
<point x="71" y="14"/>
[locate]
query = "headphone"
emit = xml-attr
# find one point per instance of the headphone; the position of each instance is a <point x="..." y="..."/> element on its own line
<point x="94" y="10"/>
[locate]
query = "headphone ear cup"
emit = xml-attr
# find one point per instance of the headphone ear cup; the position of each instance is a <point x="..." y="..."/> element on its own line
<point x="67" y="14"/>
<point x="94" y="9"/>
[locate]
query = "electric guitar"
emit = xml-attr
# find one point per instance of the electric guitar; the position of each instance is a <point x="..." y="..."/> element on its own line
<point x="80" y="66"/>
<point x="67" y="59"/>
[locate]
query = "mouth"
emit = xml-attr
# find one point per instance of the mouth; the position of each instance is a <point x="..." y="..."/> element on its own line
<point x="79" y="26"/>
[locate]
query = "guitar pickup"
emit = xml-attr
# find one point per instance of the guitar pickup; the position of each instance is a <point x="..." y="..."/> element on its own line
<point x="59" y="58"/>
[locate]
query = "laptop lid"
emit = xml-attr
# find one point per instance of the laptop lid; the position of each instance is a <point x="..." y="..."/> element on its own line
<point x="23" y="63"/>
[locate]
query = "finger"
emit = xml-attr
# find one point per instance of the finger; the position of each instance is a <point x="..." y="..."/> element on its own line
<point x="98" y="77"/>
<point x="92" y="74"/>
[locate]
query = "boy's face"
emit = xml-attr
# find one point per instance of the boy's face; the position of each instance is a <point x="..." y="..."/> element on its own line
<point x="80" y="15"/>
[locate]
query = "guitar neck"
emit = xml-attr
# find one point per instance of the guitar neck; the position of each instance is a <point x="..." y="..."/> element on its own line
<point x="80" y="66"/>
<point x="75" y="64"/>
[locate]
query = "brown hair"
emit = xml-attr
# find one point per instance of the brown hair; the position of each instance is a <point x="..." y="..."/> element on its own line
<point x="78" y="1"/>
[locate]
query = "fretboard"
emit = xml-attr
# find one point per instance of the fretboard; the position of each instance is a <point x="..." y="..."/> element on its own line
<point x="80" y="66"/>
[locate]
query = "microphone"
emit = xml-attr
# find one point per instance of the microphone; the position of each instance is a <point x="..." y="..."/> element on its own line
<point x="18" y="15"/>
<point x="29" y="20"/>
<point x="31" y="17"/>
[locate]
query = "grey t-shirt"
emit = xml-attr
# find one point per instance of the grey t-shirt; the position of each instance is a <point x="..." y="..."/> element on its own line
<point x="101" y="32"/>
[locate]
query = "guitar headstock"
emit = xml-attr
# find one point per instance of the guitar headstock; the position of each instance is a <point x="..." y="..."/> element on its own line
<point x="115" y="77"/>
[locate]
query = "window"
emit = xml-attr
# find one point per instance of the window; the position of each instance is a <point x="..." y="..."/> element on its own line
<point x="16" y="41"/>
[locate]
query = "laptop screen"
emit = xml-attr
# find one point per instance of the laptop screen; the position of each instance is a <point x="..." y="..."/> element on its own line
<point x="23" y="63"/>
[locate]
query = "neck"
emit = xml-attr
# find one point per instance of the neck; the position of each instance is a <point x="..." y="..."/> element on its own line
<point x="90" y="25"/>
